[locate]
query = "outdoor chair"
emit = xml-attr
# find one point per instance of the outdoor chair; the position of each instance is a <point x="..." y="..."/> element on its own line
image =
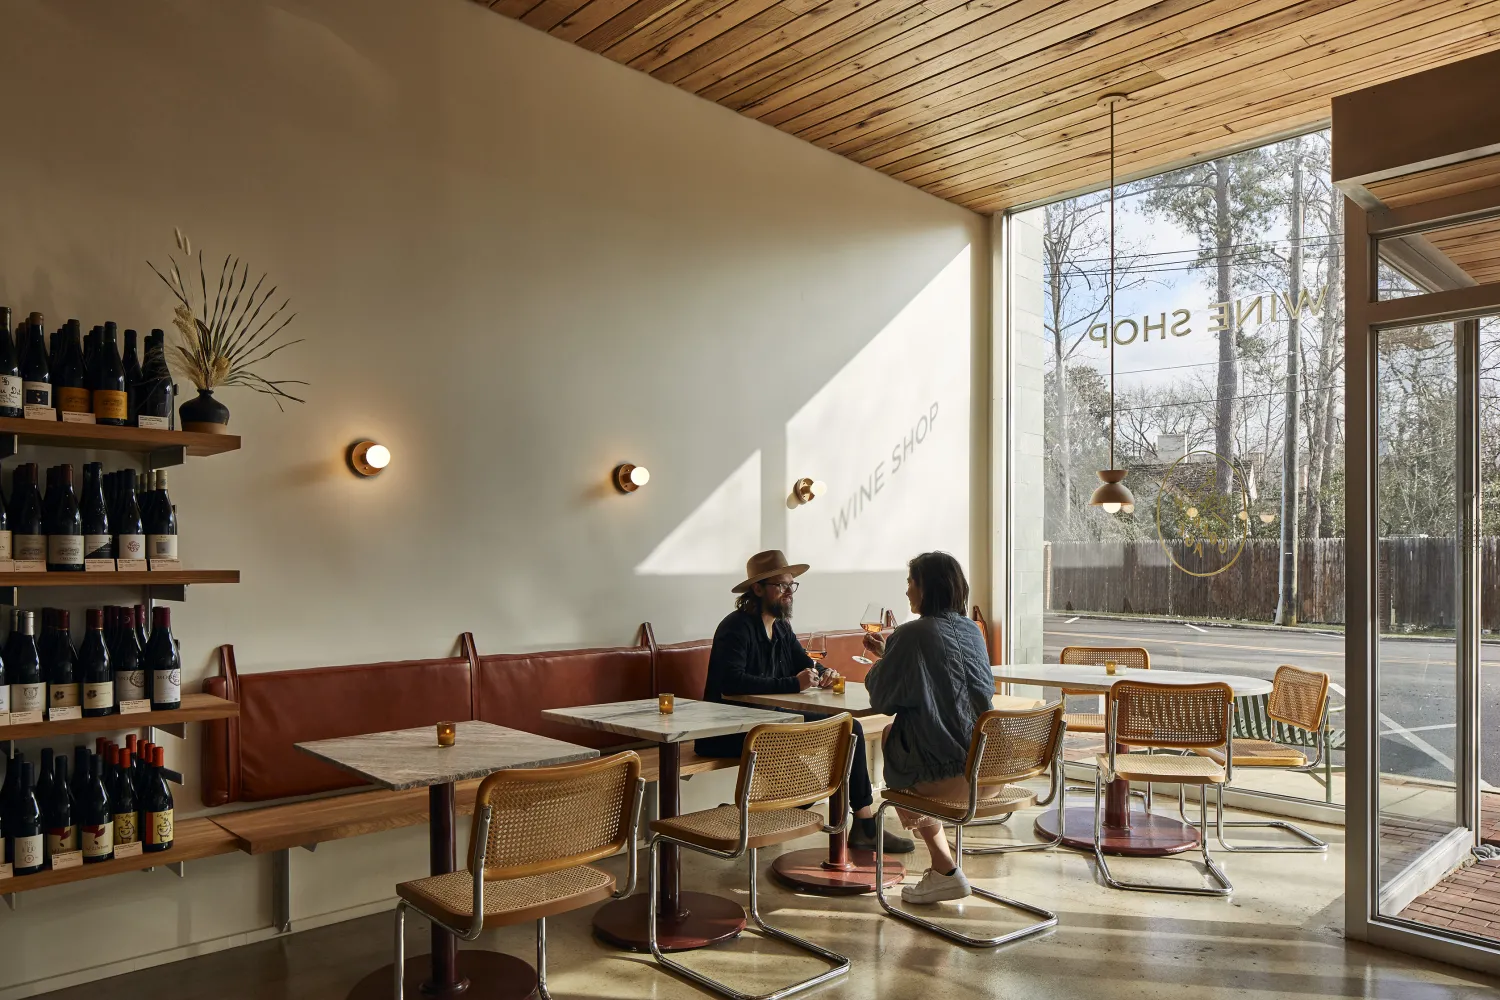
<point x="1006" y="748"/>
<point x="1253" y="722"/>
<point x="535" y="831"/>
<point x="1186" y="717"/>
<point x="783" y="768"/>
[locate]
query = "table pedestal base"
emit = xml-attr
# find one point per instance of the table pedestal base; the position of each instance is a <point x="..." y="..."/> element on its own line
<point x="702" y="920"/>
<point x="811" y="871"/>
<point x="482" y="975"/>
<point x="1147" y="836"/>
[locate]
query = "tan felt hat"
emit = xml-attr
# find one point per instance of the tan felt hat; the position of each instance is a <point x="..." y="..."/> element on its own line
<point x="764" y="565"/>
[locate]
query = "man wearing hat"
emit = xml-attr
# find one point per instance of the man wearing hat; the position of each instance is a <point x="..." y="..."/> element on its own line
<point x="756" y="652"/>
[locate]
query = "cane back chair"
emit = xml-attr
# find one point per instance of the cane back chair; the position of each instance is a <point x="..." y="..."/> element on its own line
<point x="1299" y="699"/>
<point x="783" y="767"/>
<point x="1189" y="717"/>
<point x="535" y="832"/>
<point x="1006" y="747"/>
<point x="1134" y="657"/>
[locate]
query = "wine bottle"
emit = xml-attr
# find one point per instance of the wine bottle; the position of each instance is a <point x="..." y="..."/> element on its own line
<point x="69" y="380"/>
<point x="130" y="676"/>
<point x="96" y="827"/>
<point x="28" y="540"/>
<point x="24" y="845"/>
<point x="90" y="356"/>
<point x="154" y="406"/>
<point x="5" y="546"/>
<point x="65" y="532"/>
<point x="95" y="669"/>
<point x="130" y="530"/>
<point x="132" y="365"/>
<point x="61" y="666"/>
<point x="161" y="523"/>
<point x="4" y="710"/>
<point x="123" y="802"/>
<point x="12" y="393"/>
<point x="59" y="824"/>
<point x="36" y="375"/>
<point x="8" y="790"/>
<point x="110" y="396"/>
<point x="28" y="689"/>
<point x="17" y="482"/>
<point x="81" y="757"/>
<point x="140" y="627"/>
<point x="156" y="806"/>
<point x="46" y="775"/>
<point x="98" y="542"/>
<point x="163" y="663"/>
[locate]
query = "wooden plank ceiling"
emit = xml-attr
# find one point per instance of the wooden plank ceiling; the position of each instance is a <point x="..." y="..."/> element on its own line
<point x="994" y="103"/>
<point x="1472" y="248"/>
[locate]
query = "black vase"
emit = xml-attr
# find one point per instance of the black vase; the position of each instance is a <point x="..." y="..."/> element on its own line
<point x="205" y="414"/>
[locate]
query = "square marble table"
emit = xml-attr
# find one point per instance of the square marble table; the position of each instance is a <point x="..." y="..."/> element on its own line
<point x="685" y="920"/>
<point x="411" y="758"/>
<point x="1127" y="832"/>
<point x="837" y="871"/>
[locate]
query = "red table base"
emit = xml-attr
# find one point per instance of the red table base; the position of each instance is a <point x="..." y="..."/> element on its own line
<point x="812" y="871"/>
<point x="702" y="921"/>
<point x="483" y="975"/>
<point x="1147" y="835"/>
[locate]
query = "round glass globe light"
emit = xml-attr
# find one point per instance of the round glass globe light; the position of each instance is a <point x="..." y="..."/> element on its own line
<point x="378" y="456"/>
<point x="640" y="475"/>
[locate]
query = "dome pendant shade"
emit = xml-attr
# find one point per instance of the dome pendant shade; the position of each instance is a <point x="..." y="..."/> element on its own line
<point x="1113" y="496"/>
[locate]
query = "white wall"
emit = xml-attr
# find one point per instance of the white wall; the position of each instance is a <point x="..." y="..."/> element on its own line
<point x="517" y="264"/>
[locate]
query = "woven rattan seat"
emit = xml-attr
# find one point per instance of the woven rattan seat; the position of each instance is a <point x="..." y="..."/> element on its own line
<point x="1009" y="799"/>
<point x="1134" y="657"/>
<point x="719" y="829"/>
<point x="1084" y="722"/>
<point x="1162" y="767"/>
<point x="1260" y="753"/>
<point x="511" y="901"/>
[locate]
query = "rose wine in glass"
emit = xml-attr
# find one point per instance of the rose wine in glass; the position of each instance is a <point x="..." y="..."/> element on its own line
<point x="872" y="622"/>
<point x="817" y="649"/>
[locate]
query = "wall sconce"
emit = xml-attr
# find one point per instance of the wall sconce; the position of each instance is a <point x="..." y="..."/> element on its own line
<point x="806" y="490"/>
<point x="629" y="478"/>
<point x="367" y="458"/>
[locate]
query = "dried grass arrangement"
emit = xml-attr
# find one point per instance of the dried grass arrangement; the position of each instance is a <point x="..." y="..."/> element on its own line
<point x="222" y="339"/>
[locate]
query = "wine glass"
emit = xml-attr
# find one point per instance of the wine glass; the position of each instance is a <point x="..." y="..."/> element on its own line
<point x="872" y="622"/>
<point x="817" y="648"/>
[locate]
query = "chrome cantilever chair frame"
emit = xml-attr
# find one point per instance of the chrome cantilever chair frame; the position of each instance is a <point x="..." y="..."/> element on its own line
<point x="1057" y="791"/>
<point x="477" y="850"/>
<point x="839" y="964"/>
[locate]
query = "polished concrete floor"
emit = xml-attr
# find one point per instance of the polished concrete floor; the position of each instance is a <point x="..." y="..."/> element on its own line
<point x="1279" y="936"/>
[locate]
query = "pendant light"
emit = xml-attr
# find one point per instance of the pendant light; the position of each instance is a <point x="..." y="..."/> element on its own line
<point x="1112" y="494"/>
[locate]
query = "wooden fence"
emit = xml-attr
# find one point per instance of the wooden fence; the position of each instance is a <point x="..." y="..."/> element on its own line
<point x="1418" y="575"/>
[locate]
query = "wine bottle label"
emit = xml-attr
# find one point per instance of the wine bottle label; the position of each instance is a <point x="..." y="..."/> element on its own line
<point x="130" y="546"/>
<point x="5" y="544"/>
<point x="166" y="686"/>
<point x="28" y="697"/>
<point x="99" y="694"/>
<point x="26" y="852"/>
<point x="61" y="839"/>
<point x="12" y="392"/>
<point x="63" y="695"/>
<point x="65" y="550"/>
<point x="159" y="827"/>
<point x="98" y="546"/>
<point x="109" y="404"/>
<point x="37" y="393"/>
<point x="126" y="830"/>
<point x="130" y="685"/>
<point x="72" y="399"/>
<point x="150" y="422"/>
<point x="97" y="841"/>
<point x="161" y="547"/>
<point x="4" y="699"/>
<point x="28" y="548"/>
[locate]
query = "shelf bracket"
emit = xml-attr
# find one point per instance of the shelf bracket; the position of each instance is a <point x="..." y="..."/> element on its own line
<point x="169" y="592"/>
<point x="177" y="729"/>
<point x="175" y="867"/>
<point x="161" y="458"/>
<point x="281" y="891"/>
<point x="12" y="900"/>
<point x="10" y="445"/>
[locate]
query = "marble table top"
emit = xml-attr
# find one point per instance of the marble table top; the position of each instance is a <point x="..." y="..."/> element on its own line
<point x="411" y="758"/>
<point x="690" y="720"/>
<point x="815" y="701"/>
<point x="1086" y="677"/>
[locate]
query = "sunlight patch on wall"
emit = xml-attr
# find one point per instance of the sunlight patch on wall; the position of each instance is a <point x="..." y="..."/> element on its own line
<point x="890" y="435"/>
<point x="718" y="535"/>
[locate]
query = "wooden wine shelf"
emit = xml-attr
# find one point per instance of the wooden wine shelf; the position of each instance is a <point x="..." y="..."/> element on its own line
<point x="134" y="578"/>
<point x="195" y="708"/>
<point x="193" y="839"/>
<point x="16" y="431"/>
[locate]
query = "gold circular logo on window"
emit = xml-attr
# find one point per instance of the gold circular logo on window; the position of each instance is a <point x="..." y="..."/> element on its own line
<point x="1202" y="520"/>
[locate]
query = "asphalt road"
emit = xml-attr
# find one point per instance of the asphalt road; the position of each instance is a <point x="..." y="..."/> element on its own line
<point x="1418" y="689"/>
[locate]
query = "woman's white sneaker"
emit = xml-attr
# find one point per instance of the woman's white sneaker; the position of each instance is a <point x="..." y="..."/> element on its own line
<point x="936" y="887"/>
